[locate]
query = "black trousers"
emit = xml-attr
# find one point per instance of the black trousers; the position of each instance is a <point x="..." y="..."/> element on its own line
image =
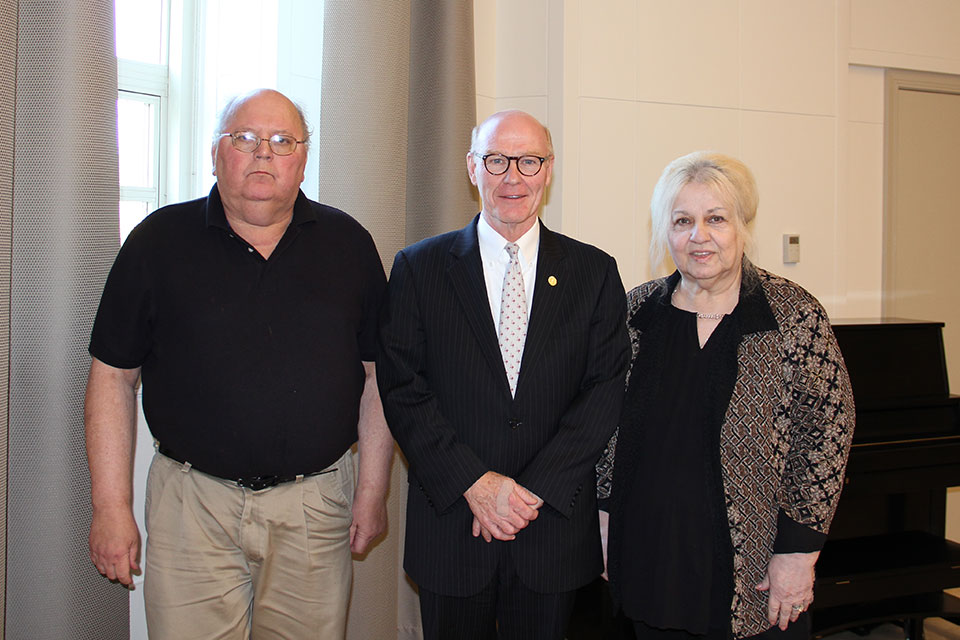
<point x="505" y="610"/>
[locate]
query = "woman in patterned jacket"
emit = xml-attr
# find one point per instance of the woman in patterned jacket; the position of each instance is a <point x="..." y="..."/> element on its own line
<point x="724" y="475"/>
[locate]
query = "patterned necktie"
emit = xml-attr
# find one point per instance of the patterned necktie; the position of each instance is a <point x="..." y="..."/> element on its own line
<point x="513" y="318"/>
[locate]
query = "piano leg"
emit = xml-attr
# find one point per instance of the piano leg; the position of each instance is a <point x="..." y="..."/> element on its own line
<point x="913" y="629"/>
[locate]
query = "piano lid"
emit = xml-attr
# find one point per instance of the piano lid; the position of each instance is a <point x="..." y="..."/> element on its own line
<point x="893" y="359"/>
<point x="898" y="371"/>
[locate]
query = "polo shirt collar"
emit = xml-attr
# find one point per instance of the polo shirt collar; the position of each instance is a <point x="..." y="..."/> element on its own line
<point x="216" y="217"/>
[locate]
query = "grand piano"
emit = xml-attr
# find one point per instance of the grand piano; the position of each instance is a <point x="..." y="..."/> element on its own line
<point x="886" y="557"/>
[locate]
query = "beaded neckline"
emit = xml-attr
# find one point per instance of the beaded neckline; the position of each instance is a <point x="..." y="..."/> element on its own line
<point x="701" y="316"/>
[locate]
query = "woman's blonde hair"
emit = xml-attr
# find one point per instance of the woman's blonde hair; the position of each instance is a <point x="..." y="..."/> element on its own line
<point x="731" y="179"/>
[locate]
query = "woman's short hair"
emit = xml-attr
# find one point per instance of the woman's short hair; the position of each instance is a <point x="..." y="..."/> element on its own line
<point x="731" y="179"/>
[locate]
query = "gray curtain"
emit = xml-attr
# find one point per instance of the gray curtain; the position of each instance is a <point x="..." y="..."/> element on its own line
<point x="8" y="82"/>
<point x="442" y="114"/>
<point x="64" y="237"/>
<point x="397" y="107"/>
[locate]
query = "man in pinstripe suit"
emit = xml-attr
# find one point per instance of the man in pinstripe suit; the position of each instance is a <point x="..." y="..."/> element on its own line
<point x="501" y="518"/>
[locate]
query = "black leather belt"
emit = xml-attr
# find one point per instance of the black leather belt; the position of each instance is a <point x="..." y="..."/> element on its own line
<point x="255" y="483"/>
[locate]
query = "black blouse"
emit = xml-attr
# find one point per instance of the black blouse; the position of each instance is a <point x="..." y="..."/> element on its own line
<point x="676" y="566"/>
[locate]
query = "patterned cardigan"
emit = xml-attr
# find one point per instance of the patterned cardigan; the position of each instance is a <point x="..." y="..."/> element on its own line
<point x="785" y="430"/>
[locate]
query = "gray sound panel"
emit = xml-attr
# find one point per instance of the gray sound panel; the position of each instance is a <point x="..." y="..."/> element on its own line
<point x="64" y="237"/>
<point x="8" y="68"/>
<point x="360" y="143"/>
<point x="442" y="115"/>
<point x="361" y="136"/>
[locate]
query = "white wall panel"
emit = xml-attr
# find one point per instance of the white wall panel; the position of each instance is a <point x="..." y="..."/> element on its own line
<point x="864" y="212"/>
<point x="865" y="94"/>
<point x="764" y="80"/>
<point x="788" y="56"/>
<point x="485" y="106"/>
<point x="918" y="28"/>
<point x="521" y="47"/>
<point x="607" y="207"/>
<point x="792" y="157"/>
<point x="608" y="49"/>
<point x="534" y="105"/>
<point x="485" y="47"/>
<point x="689" y="52"/>
<point x="670" y="131"/>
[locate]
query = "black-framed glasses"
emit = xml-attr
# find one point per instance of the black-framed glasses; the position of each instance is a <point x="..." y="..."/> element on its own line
<point x="248" y="142"/>
<point x="497" y="164"/>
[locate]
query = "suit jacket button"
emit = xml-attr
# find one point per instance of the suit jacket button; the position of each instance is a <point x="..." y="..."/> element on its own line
<point x="514" y="423"/>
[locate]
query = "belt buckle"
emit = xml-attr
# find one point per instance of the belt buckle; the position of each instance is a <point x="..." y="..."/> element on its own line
<point x="258" y="483"/>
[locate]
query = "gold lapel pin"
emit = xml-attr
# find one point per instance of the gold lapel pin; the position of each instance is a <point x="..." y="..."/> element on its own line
<point x="552" y="281"/>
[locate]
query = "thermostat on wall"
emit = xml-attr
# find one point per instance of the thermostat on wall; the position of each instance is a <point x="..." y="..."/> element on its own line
<point x="791" y="248"/>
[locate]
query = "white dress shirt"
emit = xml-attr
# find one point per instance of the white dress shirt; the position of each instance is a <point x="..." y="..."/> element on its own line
<point x="495" y="259"/>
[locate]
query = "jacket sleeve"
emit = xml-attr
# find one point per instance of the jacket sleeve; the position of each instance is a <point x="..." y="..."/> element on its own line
<point x="443" y="466"/>
<point x="605" y="471"/>
<point x="821" y="416"/>
<point x="557" y="473"/>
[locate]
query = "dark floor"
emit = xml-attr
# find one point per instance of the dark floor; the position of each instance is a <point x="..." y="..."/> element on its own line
<point x="933" y="629"/>
<point x="593" y="619"/>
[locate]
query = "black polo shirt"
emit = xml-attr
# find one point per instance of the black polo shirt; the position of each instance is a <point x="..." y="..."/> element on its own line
<point x="249" y="366"/>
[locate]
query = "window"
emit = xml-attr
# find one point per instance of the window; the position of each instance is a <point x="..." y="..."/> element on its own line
<point x="138" y="123"/>
<point x="142" y="75"/>
<point x="141" y="25"/>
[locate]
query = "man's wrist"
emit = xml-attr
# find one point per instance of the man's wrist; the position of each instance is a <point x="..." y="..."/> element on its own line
<point x="120" y="505"/>
<point x="374" y="490"/>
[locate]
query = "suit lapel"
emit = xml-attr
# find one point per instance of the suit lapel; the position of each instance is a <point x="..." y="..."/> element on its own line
<point x="466" y="274"/>
<point x="548" y="297"/>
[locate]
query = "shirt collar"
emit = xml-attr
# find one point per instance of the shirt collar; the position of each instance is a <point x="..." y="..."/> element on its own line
<point x="216" y="217"/>
<point x="492" y="243"/>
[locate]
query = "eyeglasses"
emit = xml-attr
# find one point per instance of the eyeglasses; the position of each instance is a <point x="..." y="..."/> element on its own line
<point x="497" y="164"/>
<point x="248" y="142"/>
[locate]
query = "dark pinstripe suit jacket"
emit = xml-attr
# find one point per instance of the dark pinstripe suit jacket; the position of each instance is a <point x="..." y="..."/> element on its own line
<point x="448" y="404"/>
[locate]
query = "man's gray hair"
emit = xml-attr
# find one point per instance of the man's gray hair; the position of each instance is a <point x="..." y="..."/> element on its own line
<point x="236" y="102"/>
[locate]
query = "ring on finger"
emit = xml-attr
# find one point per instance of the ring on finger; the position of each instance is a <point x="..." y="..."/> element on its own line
<point x="798" y="608"/>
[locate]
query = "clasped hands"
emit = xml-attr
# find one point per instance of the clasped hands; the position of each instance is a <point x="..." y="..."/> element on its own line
<point x="500" y="506"/>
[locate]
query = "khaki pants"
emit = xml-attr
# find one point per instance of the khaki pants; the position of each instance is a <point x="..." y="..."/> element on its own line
<point x="229" y="563"/>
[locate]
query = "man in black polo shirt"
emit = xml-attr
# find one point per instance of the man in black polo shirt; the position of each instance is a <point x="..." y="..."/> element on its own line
<point x="251" y="317"/>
